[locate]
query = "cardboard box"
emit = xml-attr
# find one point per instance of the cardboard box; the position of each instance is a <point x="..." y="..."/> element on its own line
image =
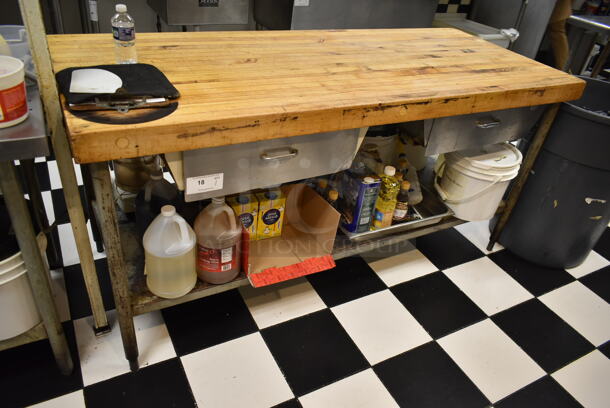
<point x="271" y="206"/>
<point x="246" y="207"/>
<point x="306" y="243"/>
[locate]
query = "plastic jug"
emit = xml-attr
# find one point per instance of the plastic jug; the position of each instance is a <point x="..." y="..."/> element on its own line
<point x="170" y="255"/>
<point x="218" y="242"/>
<point x="156" y="193"/>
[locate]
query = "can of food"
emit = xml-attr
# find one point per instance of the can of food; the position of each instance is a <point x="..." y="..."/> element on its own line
<point x="13" y="102"/>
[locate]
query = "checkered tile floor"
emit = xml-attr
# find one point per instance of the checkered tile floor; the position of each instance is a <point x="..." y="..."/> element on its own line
<point x="439" y="322"/>
<point x="453" y="6"/>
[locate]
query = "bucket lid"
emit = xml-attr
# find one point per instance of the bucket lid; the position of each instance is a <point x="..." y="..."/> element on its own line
<point x="13" y="273"/>
<point x="502" y="156"/>
<point x="8" y="263"/>
<point x="9" y="66"/>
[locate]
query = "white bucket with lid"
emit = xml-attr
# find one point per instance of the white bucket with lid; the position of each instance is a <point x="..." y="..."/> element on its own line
<point x="18" y="311"/>
<point x="473" y="181"/>
<point x="13" y="102"/>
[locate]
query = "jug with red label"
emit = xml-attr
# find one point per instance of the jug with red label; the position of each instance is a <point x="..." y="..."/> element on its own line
<point x="218" y="243"/>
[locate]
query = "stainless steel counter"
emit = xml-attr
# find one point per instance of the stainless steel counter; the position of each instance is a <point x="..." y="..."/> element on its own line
<point x="28" y="139"/>
<point x="600" y="24"/>
<point x="585" y="32"/>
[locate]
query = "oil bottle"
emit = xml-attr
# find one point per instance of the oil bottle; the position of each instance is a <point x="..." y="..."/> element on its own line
<point x="402" y="203"/>
<point x="386" y="202"/>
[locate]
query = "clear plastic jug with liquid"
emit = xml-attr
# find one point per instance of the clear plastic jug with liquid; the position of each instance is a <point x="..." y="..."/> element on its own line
<point x="218" y="233"/>
<point x="170" y="255"/>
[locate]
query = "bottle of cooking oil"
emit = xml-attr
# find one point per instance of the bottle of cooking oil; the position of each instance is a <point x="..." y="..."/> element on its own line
<point x="218" y="233"/>
<point x="402" y="203"/>
<point x="386" y="202"/>
<point x="169" y="253"/>
<point x="332" y="197"/>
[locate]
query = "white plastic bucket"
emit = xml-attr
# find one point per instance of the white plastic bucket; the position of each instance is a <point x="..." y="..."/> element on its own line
<point x="473" y="181"/>
<point x="18" y="312"/>
<point x="13" y="101"/>
<point x="386" y="146"/>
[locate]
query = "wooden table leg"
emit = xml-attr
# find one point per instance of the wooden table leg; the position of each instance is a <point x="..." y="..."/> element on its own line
<point x="37" y="271"/>
<point x="526" y="166"/>
<point x="105" y="212"/>
<point x="31" y="14"/>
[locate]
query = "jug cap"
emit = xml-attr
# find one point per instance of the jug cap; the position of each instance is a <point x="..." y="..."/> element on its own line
<point x="389" y="171"/>
<point x="168" y="210"/>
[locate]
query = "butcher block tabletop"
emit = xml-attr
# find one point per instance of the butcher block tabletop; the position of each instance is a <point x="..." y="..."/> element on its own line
<point x="239" y="87"/>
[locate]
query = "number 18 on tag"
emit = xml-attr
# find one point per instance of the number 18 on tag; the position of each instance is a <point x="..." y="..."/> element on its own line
<point x="204" y="184"/>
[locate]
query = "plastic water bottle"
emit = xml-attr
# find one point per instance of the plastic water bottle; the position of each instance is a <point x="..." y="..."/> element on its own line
<point x="124" y="33"/>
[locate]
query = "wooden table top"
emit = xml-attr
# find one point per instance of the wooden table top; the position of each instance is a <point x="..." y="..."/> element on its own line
<point x="239" y="87"/>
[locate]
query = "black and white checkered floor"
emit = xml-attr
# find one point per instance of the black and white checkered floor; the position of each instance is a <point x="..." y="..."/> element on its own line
<point x="443" y="324"/>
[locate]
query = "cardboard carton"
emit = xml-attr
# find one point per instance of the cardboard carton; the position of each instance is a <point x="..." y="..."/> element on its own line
<point x="305" y="245"/>
<point x="270" y="214"/>
<point x="246" y="208"/>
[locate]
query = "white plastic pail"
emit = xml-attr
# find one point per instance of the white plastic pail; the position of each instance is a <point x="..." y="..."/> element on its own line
<point x="18" y="312"/>
<point x="13" y="102"/>
<point x="473" y="181"/>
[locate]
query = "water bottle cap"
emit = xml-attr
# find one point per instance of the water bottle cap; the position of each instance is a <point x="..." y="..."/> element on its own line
<point x="389" y="171"/>
<point x="242" y="199"/>
<point x="368" y="180"/>
<point x="218" y="200"/>
<point x="120" y="8"/>
<point x="168" y="210"/>
<point x="333" y="195"/>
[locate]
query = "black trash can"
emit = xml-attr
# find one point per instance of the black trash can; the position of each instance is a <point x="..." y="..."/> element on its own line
<point x="565" y="205"/>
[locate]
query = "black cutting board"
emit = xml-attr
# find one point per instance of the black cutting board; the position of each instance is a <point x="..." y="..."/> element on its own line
<point x="138" y="80"/>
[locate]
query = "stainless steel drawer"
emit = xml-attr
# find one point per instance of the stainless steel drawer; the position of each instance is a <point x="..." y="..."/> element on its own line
<point x="453" y="133"/>
<point x="236" y="168"/>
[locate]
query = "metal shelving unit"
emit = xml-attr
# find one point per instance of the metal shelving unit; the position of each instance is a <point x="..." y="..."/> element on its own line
<point x="143" y="301"/>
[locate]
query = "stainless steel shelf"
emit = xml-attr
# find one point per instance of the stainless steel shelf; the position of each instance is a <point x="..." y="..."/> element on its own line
<point x="28" y="139"/>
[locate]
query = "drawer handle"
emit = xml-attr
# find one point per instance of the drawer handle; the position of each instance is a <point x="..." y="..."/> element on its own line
<point x="488" y="122"/>
<point x="279" y="154"/>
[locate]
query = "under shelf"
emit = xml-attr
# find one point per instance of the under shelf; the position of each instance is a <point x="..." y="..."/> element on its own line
<point x="143" y="301"/>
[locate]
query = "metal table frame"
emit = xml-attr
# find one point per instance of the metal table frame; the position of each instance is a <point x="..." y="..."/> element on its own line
<point x="588" y="29"/>
<point x="32" y="17"/>
<point x="129" y="303"/>
<point x="38" y="274"/>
